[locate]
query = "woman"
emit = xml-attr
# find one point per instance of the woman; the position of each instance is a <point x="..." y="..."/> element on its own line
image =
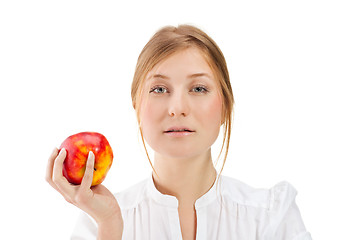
<point x="182" y="95"/>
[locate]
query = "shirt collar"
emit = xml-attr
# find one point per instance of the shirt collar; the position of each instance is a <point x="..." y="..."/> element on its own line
<point x="172" y="202"/>
<point x="210" y="195"/>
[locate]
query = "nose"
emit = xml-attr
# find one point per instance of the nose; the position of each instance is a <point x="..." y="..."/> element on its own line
<point x="178" y="105"/>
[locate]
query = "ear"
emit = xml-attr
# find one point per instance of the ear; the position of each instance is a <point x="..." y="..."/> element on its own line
<point x="223" y="116"/>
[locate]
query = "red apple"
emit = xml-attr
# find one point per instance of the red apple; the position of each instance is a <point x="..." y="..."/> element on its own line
<point x="78" y="147"/>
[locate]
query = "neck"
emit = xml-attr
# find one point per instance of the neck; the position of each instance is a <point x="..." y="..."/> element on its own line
<point x="186" y="179"/>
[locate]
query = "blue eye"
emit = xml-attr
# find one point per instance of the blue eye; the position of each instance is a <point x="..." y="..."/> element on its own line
<point x="162" y="89"/>
<point x="158" y="89"/>
<point x="200" y="89"/>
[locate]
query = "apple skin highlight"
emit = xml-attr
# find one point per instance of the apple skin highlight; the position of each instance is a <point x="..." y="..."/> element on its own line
<point x="78" y="147"/>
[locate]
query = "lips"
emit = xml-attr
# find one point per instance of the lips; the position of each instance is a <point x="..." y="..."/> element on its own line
<point x="179" y="129"/>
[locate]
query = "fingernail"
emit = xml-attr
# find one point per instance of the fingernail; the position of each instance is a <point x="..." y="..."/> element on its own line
<point x="91" y="155"/>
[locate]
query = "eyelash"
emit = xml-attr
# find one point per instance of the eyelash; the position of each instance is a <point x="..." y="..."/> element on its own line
<point x="203" y="89"/>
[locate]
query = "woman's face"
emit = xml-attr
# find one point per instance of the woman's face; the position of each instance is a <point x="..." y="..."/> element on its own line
<point x="181" y="106"/>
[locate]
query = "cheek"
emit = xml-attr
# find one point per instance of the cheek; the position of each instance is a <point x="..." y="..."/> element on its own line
<point x="150" y="116"/>
<point x="146" y="121"/>
<point x="145" y="116"/>
<point x="213" y="111"/>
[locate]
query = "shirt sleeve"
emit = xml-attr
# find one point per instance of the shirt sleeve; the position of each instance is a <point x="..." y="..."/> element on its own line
<point x="286" y="221"/>
<point x="85" y="228"/>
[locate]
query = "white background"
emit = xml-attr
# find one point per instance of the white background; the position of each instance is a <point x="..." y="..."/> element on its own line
<point x="67" y="66"/>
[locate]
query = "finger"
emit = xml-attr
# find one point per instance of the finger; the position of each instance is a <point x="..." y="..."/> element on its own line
<point x="50" y="166"/>
<point x="58" y="178"/>
<point x="89" y="172"/>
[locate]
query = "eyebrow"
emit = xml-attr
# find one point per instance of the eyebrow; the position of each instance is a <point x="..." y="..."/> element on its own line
<point x="195" y="75"/>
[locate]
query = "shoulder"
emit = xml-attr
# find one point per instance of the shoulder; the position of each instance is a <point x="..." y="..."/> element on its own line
<point x="280" y="216"/>
<point x="277" y="197"/>
<point x="132" y="196"/>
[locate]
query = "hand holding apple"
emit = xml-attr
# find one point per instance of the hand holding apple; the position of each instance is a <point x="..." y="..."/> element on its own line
<point x="78" y="147"/>
<point x="96" y="201"/>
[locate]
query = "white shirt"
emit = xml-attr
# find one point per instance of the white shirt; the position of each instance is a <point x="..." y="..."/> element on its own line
<point x="231" y="210"/>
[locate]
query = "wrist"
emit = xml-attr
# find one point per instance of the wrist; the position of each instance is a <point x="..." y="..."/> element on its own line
<point x="112" y="219"/>
<point x="111" y="228"/>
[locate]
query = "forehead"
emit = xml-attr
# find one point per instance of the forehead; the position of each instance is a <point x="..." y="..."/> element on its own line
<point x="189" y="63"/>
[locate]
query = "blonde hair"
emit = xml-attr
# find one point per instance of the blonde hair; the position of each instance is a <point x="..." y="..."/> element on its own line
<point x="169" y="40"/>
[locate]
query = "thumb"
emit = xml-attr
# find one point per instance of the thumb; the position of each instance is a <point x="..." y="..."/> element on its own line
<point x="89" y="171"/>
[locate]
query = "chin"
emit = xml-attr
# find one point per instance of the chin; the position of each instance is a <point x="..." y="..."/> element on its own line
<point x="180" y="152"/>
<point x="179" y="149"/>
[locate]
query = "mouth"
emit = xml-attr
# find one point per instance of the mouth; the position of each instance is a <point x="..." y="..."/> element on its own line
<point x="175" y="129"/>
<point x="179" y="132"/>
